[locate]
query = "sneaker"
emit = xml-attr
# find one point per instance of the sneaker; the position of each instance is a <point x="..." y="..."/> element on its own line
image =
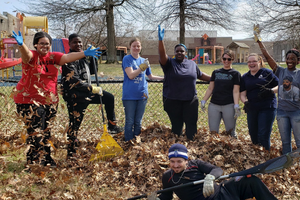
<point x="115" y="129"/>
<point x="49" y="162"/>
<point x="234" y="135"/>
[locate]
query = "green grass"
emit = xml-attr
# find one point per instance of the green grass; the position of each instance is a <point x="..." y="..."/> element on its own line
<point x="115" y="70"/>
<point x="93" y="119"/>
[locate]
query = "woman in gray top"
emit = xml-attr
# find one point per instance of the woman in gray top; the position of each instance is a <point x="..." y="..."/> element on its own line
<point x="288" y="111"/>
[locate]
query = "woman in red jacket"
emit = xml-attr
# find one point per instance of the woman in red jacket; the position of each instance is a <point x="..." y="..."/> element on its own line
<point x="36" y="94"/>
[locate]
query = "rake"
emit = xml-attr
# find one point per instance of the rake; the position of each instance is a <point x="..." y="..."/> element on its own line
<point x="269" y="166"/>
<point x="107" y="147"/>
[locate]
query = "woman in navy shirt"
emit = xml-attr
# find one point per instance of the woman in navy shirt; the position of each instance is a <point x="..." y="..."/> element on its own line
<point x="179" y="89"/>
<point x="259" y="100"/>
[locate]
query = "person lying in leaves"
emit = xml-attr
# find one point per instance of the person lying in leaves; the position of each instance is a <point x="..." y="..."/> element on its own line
<point x="184" y="171"/>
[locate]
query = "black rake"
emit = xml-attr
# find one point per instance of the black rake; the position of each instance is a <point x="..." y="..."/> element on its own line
<point x="275" y="164"/>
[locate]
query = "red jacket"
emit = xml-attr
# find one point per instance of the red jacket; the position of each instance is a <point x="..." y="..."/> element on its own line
<point x="39" y="80"/>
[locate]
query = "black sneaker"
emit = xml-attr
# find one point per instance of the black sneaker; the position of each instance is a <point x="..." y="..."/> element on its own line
<point x="115" y="129"/>
<point x="49" y="162"/>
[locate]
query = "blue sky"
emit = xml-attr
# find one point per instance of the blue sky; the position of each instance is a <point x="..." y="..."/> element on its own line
<point x="10" y="6"/>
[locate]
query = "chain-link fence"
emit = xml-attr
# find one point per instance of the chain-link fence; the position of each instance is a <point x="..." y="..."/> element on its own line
<point x="93" y="118"/>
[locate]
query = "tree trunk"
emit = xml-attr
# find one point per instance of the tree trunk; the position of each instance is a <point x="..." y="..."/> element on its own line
<point x="111" y="42"/>
<point x="182" y="21"/>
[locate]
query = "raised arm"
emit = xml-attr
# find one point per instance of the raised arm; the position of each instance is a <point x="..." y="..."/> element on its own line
<point x="272" y="63"/>
<point x="26" y="54"/>
<point x="71" y="57"/>
<point x="163" y="57"/>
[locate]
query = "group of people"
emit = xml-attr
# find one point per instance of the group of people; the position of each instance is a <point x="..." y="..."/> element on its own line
<point x="36" y="95"/>
<point x="36" y="99"/>
<point x="256" y="89"/>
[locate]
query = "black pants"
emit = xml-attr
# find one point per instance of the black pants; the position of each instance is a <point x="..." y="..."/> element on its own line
<point x="37" y="119"/>
<point x="77" y="110"/>
<point x="244" y="188"/>
<point x="181" y="112"/>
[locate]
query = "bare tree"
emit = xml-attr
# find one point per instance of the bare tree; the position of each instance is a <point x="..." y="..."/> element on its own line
<point x="277" y="18"/>
<point x="81" y="12"/>
<point x="196" y="13"/>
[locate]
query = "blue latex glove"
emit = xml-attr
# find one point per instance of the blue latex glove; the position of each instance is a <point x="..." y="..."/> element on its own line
<point x="161" y="34"/>
<point x="92" y="52"/>
<point x="18" y="38"/>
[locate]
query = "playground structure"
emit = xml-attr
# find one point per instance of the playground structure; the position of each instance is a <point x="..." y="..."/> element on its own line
<point x="204" y="57"/>
<point x="7" y="59"/>
<point x="60" y="45"/>
<point x="8" y="45"/>
<point x="208" y="52"/>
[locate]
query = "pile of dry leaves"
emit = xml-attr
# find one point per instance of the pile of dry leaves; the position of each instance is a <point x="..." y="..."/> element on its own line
<point x="140" y="168"/>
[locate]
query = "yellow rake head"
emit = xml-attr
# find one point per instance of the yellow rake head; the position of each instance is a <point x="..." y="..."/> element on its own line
<point x="107" y="147"/>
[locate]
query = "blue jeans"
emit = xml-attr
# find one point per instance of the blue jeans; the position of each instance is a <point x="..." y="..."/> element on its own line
<point x="288" y="120"/>
<point x="134" y="111"/>
<point x="260" y="124"/>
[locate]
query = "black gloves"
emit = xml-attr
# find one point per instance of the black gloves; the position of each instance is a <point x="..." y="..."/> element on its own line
<point x="246" y="106"/>
<point x="265" y="93"/>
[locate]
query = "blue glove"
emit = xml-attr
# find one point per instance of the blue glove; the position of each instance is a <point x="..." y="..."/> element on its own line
<point x="18" y="38"/>
<point x="161" y="34"/>
<point x="92" y="52"/>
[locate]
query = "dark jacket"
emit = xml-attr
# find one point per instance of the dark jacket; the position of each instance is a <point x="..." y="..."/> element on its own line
<point x="76" y="80"/>
<point x="196" y="170"/>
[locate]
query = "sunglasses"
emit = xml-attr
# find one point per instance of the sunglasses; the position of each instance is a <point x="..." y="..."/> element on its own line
<point x="229" y="59"/>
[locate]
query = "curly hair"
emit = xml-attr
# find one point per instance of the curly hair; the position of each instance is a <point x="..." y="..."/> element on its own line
<point x="294" y="51"/>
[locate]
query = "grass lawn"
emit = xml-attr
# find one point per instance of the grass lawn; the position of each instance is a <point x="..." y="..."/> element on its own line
<point x="154" y="110"/>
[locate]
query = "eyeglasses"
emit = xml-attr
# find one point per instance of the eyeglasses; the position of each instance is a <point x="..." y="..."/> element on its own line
<point x="44" y="44"/>
<point x="229" y="59"/>
<point x="250" y="62"/>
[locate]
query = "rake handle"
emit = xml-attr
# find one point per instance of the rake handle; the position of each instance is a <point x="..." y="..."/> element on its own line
<point x="97" y="82"/>
<point x="176" y="187"/>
